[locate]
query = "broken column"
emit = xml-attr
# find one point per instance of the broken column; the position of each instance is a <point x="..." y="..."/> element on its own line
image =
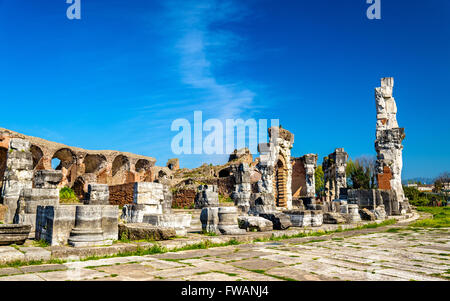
<point x="18" y="175"/>
<point x="242" y="187"/>
<point x="88" y="227"/>
<point x="334" y="173"/>
<point x="228" y="221"/>
<point x="388" y="144"/>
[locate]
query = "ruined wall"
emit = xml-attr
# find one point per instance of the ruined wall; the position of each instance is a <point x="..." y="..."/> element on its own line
<point x="81" y="167"/>
<point x="275" y="166"/>
<point x="303" y="178"/>
<point x="334" y="173"/>
<point x="184" y="198"/>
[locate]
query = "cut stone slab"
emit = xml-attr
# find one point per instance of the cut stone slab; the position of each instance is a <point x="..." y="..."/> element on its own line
<point x="367" y="215"/>
<point x="43" y="268"/>
<point x="9" y="271"/>
<point x="14" y="234"/>
<point x="280" y="220"/>
<point x="255" y="223"/>
<point x="8" y="254"/>
<point x="145" y="231"/>
<point x="36" y="253"/>
<point x="333" y="218"/>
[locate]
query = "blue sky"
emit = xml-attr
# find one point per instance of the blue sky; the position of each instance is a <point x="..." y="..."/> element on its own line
<point x="117" y="78"/>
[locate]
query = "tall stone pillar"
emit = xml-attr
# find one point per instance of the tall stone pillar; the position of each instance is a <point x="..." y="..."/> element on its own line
<point x="18" y="175"/>
<point x="334" y="173"/>
<point x="242" y="187"/>
<point x="388" y="143"/>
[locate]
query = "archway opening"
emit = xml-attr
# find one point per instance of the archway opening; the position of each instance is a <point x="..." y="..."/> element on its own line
<point x="63" y="158"/>
<point x="120" y="164"/>
<point x="143" y="165"/>
<point x="94" y="163"/>
<point x="37" y="155"/>
<point x="280" y="178"/>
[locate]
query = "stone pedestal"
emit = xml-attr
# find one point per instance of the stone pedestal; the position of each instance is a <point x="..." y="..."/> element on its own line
<point x="88" y="227"/>
<point x="228" y="223"/>
<point x="13" y="234"/>
<point x="353" y="214"/>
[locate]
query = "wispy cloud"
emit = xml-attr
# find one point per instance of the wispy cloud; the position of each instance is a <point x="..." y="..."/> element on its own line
<point x="203" y="46"/>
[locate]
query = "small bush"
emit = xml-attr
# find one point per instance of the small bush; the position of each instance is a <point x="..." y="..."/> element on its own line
<point x="420" y="202"/>
<point x="67" y="196"/>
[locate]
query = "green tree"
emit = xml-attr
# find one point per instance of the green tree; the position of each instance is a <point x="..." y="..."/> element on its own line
<point x="319" y="177"/>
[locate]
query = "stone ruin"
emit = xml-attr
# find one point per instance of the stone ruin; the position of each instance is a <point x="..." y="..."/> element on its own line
<point x="152" y="205"/>
<point x="334" y="174"/>
<point x="388" y="144"/>
<point x="275" y="191"/>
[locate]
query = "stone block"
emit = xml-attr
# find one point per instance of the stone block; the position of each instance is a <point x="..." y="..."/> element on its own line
<point x="333" y="218"/>
<point x="47" y="178"/>
<point x="148" y="193"/>
<point x="255" y="223"/>
<point x="145" y="231"/>
<point x="379" y="212"/>
<point x="98" y="194"/>
<point x="209" y="218"/>
<point x="316" y="218"/>
<point x="180" y="222"/>
<point x="366" y="214"/>
<point x="14" y="234"/>
<point x="207" y="196"/>
<point x="19" y="144"/>
<point x="54" y="223"/>
<point x="280" y="220"/>
<point x="299" y="218"/>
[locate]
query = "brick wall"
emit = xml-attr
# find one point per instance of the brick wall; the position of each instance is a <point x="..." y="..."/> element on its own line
<point x="121" y="194"/>
<point x="184" y="198"/>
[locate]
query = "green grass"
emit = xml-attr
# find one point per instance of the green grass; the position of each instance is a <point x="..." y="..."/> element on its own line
<point x="40" y="243"/>
<point x="440" y="219"/>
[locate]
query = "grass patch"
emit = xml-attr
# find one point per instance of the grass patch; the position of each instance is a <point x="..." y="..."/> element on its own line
<point x="40" y="243"/>
<point x="440" y="219"/>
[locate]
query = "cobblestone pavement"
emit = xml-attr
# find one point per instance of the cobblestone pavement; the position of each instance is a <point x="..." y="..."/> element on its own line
<point x="395" y="254"/>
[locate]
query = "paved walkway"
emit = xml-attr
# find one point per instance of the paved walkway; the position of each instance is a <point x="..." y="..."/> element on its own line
<point x="388" y="255"/>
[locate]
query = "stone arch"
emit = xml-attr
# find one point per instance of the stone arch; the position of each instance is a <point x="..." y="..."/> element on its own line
<point x="120" y="163"/>
<point x="66" y="157"/>
<point x="37" y="154"/>
<point x="143" y="165"/>
<point x="94" y="163"/>
<point x="280" y="182"/>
